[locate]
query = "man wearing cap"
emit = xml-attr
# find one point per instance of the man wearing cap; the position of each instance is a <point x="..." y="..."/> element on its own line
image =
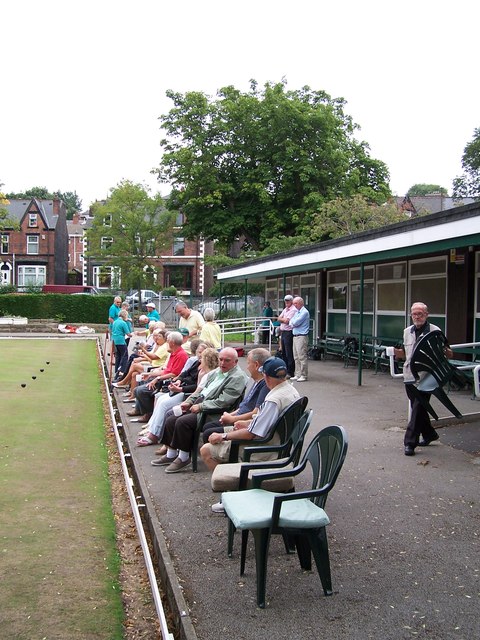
<point x="186" y="340"/>
<point x="281" y="394"/>
<point x="190" y="319"/>
<point x="286" y="334"/>
<point x="152" y="313"/>
<point x="300" y="324"/>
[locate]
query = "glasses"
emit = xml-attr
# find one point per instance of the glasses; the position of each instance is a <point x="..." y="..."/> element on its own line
<point x="420" y="314"/>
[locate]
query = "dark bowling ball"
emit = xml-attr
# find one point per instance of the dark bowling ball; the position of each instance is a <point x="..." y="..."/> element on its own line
<point x="42" y="370"/>
<point x="23" y="384"/>
<point x="34" y="377"/>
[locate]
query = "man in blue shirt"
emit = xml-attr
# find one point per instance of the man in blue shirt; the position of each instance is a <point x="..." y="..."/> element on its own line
<point x="114" y="310"/>
<point x="300" y="324"/>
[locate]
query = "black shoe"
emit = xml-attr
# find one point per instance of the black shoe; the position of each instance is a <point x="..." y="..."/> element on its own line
<point x="409" y="451"/>
<point x="426" y="441"/>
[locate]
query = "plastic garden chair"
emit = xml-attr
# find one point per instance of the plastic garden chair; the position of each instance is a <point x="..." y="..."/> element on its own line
<point x="300" y="515"/>
<point x="428" y="358"/>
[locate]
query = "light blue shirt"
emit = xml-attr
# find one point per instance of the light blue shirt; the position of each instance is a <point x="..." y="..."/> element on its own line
<point x="300" y="322"/>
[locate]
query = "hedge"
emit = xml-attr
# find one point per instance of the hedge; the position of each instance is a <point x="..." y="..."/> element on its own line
<point x="56" y="306"/>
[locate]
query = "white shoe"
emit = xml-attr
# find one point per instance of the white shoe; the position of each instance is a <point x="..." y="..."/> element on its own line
<point x="293" y="379"/>
<point x="302" y="379"/>
<point x="218" y="508"/>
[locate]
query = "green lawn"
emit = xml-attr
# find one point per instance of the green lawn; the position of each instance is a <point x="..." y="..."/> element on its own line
<point x="59" y="566"/>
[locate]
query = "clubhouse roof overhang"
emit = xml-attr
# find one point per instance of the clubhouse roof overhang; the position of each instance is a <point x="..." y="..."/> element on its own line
<point x="452" y="229"/>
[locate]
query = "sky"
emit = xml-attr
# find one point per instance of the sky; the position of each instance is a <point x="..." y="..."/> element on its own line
<point x="84" y="82"/>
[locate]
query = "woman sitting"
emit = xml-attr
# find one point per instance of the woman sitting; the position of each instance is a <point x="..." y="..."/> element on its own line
<point x="208" y="361"/>
<point x="157" y="357"/>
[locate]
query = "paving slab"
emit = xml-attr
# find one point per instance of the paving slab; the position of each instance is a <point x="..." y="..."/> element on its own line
<point x="404" y="539"/>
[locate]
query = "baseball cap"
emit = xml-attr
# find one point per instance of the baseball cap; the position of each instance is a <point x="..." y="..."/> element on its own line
<point x="288" y="297"/>
<point x="151" y="304"/>
<point x="274" y="368"/>
<point x="184" y="331"/>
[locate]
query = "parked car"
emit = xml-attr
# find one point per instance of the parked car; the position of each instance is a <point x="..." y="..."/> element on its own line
<point x="145" y="296"/>
<point x="69" y="288"/>
<point x="230" y="304"/>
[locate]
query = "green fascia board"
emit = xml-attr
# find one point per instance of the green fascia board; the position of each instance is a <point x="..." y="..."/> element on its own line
<point x="368" y="258"/>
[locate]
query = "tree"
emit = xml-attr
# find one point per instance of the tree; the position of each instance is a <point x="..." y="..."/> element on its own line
<point x="345" y="216"/>
<point x="468" y="184"/>
<point x="422" y="189"/>
<point x="70" y="198"/>
<point x="248" y="167"/>
<point x="128" y="231"/>
<point x="5" y="221"/>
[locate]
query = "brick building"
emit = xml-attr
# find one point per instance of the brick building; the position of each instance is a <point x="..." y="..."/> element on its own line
<point x="37" y="252"/>
<point x="181" y="265"/>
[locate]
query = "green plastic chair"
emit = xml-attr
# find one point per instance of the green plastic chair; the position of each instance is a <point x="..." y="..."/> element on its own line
<point x="429" y="358"/>
<point x="281" y="430"/>
<point x="299" y="515"/>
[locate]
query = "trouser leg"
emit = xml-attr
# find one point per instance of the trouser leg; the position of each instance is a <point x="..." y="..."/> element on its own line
<point x="287" y="351"/>
<point x="419" y="423"/>
<point x="144" y="399"/>
<point x="183" y="432"/>
<point x="300" y="350"/>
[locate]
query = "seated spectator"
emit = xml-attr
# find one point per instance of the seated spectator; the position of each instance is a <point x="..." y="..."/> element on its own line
<point x="186" y="383"/>
<point x="186" y="340"/>
<point x="157" y="357"/>
<point x="190" y="371"/>
<point x="254" y="398"/>
<point x="145" y="394"/>
<point x="281" y="394"/>
<point x="222" y="390"/>
<point x="148" y="343"/>
<point x="211" y="331"/>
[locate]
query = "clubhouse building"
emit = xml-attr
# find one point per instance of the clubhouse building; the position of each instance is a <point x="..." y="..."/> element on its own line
<point x="369" y="280"/>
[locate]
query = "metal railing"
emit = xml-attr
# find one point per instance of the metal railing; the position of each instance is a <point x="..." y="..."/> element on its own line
<point x="464" y="367"/>
<point x="252" y="327"/>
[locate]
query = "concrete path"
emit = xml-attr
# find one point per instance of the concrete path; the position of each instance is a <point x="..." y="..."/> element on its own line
<point x="404" y="539"/>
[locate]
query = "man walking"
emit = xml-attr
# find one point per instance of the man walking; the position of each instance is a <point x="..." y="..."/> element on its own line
<point x="300" y="324"/>
<point x="419" y="423"/>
